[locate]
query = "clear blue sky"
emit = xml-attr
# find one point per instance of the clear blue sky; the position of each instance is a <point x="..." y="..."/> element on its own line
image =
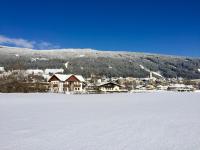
<point x="169" y="27"/>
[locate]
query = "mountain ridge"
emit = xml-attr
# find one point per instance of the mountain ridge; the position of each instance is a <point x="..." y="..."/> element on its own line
<point x="95" y="50"/>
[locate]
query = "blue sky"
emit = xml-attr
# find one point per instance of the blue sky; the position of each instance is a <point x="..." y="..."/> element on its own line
<point x="157" y="26"/>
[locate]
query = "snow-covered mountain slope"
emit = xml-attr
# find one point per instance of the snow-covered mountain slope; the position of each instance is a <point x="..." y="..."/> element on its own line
<point x="62" y="53"/>
<point x="109" y="63"/>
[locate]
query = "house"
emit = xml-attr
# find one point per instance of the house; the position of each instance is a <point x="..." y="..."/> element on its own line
<point x="92" y="88"/>
<point x="60" y="83"/>
<point x="111" y="87"/>
<point x="150" y="87"/>
<point x="180" y="88"/>
<point x="35" y="71"/>
<point x="161" y="87"/>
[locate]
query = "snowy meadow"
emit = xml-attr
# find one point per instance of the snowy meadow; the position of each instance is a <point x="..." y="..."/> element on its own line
<point x="140" y="121"/>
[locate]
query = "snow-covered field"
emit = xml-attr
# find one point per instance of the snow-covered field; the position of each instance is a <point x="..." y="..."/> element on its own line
<point x="142" y="121"/>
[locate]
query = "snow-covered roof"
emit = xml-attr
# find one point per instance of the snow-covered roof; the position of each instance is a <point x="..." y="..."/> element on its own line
<point x="178" y="85"/>
<point x="110" y="82"/>
<point x="35" y="71"/>
<point x="64" y="77"/>
<point x="61" y="77"/>
<point x="80" y="78"/>
<point x="2" y="69"/>
<point x="54" y="71"/>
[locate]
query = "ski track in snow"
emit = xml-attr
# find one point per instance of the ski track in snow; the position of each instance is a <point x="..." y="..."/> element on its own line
<point x="141" y="121"/>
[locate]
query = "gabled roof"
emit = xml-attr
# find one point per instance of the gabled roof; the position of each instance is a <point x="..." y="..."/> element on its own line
<point x="80" y="78"/>
<point x="63" y="77"/>
<point x="105" y="83"/>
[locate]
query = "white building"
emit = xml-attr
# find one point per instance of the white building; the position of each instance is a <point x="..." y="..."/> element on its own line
<point x="35" y="71"/>
<point x="2" y="69"/>
<point x="181" y="88"/>
<point x="111" y="87"/>
<point x="161" y="87"/>
<point x="60" y="83"/>
<point x="53" y="71"/>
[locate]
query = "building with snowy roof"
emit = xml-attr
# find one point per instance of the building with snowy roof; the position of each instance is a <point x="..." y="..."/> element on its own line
<point x="61" y="83"/>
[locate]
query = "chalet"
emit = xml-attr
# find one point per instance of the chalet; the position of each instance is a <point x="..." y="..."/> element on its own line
<point x="180" y="88"/>
<point x="111" y="87"/>
<point x="60" y="83"/>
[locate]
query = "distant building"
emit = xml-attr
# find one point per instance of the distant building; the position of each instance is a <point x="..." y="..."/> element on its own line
<point x="92" y="88"/>
<point x="150" y="87"/>
<point x="181" y="88"/>
<point x="60" y="83"/>
<point x="161" y="87"/>
<point x="111" y="87"/>
<point x="35" y="71"/>
<point x="2" y="69"/>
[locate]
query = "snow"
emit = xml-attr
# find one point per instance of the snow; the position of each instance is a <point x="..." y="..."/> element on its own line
<point x="153" y="121"/>
<point x="40" y="59"/>
<point x="48" y="71"/>
<point x="34" y="71"/>
<point x="66" y="64"/>
<point x="110" y="67"/>
<point x="76" y="50"/>
<point x="81" y="55"/>
<point x="180" y="86"/>
<point x="63" y="77"/>
<point x="46" y="76"/>
<point x="142" y="67"/>
<point x="80" y="78"/>
<point x="157" y="74"/>
<point x="2" y="69"/>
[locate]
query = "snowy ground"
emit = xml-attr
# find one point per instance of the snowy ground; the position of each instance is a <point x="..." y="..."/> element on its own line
<point x="141" y="121"/>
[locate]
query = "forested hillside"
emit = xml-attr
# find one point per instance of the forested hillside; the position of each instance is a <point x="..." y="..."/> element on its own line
<point x="87" y="62"/>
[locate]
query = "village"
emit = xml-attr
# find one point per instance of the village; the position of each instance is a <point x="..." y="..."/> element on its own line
<point x="56" y="81"/>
